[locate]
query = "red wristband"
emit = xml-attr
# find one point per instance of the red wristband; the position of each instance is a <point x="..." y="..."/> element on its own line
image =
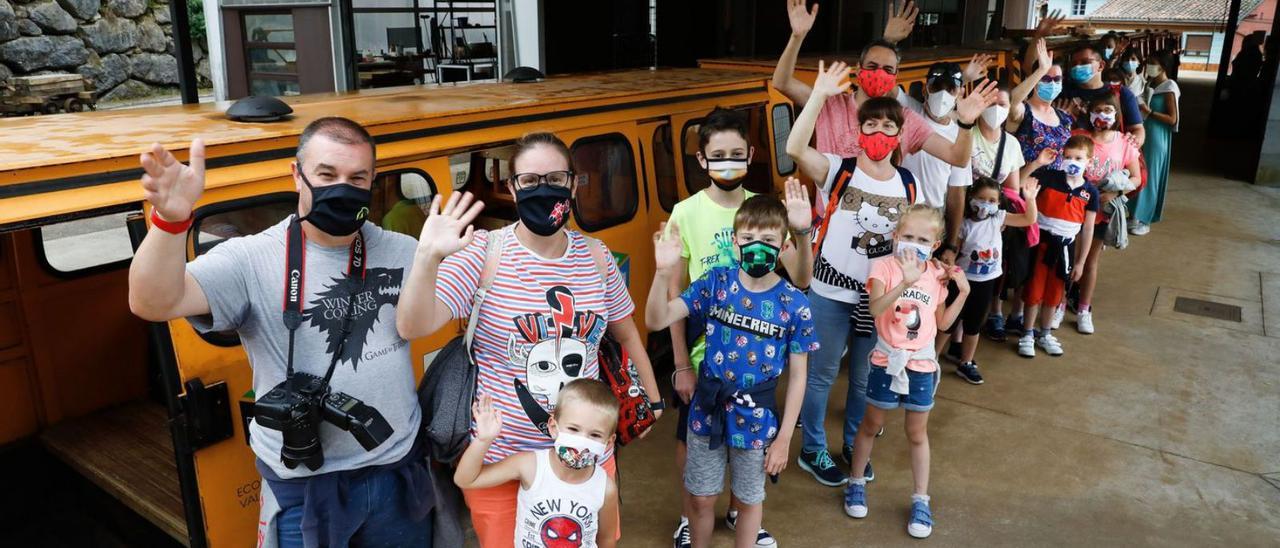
<point x="171" y="227"/>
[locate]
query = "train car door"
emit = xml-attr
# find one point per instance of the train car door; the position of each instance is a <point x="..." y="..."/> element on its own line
<point x="662" y="186"/>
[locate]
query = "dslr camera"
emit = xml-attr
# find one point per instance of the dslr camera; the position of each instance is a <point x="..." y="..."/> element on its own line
<point x="296" y="407"/>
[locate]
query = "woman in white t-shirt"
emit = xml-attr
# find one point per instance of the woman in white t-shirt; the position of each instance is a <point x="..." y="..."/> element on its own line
<point x="988" y="150"/>
<point x="980" y="257"/>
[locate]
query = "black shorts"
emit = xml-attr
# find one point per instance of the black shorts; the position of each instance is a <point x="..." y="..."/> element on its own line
<point x="682" y="418"/>
<point x="974" y="313"/>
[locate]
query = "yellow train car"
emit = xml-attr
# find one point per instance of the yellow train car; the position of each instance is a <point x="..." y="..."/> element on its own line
<point x="155" y="414"/>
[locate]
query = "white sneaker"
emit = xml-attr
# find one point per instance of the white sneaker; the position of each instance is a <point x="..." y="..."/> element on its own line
<point x="1058" y="314"/>
<point x="1139" y="229"/>
<point x="1050" y="345"/>
<point x="1027" y="346"/>
<point x="1084" y="323"/>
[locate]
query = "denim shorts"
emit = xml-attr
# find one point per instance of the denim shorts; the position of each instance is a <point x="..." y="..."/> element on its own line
<point x="920" y="391"/>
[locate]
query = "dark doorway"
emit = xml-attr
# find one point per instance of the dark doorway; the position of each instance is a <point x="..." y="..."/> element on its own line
<point x="589" y="35"/>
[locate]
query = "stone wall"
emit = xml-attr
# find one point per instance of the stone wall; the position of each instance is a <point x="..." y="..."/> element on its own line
<point x="123" y="47"/>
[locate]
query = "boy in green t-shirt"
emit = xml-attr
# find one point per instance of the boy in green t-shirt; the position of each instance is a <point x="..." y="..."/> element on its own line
<point x="705" y="222"/>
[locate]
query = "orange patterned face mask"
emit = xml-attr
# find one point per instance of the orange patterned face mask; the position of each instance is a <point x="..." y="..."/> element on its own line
<point x="876" y="82"/>
<point x="877" y="146"/>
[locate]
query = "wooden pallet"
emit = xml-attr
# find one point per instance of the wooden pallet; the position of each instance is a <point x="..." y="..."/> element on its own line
<point x="128" y="452"/>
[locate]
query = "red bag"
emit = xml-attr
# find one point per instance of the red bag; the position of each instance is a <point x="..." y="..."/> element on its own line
<point x="635" y="416"/>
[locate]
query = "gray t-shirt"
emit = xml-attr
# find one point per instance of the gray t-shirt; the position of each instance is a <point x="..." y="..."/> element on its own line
<point x="243" y="279"/>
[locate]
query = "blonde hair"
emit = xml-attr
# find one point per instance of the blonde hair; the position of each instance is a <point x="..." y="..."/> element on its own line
<point x="925" y="213"/>
<point x="589" y="392"/>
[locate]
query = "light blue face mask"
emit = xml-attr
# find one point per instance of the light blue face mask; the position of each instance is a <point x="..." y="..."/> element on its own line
<point x="1106" y="53"/>
<point x="1131" y="66"/>
<point x="1048" y="91"/>
<point x="1082" y="73"/>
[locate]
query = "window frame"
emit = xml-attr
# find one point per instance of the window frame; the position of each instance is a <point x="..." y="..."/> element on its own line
<point x="431" y="182"/>
<point x="765" y="138"/>
<point x="635" y="193"/>
<point x="1079" y="7"/>
<point x="657" y="184"/>
<point x="42" y="258"/>
<point x="780" y="149"/>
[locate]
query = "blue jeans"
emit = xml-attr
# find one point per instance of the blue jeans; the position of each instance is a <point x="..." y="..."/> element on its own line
<point x="835" y="329"/>
<point x="379" y="499"/>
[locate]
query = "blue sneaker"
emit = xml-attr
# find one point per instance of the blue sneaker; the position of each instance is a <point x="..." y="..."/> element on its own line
<point x="995" y="328"/>
<point x="855" y="500"/>
<point x="823" y="469"/>
<point x="921" y="525"/>
<point x="1014" y="325"/>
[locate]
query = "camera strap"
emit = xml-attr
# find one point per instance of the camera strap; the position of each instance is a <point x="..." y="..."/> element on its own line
<point x="295" y="274"/>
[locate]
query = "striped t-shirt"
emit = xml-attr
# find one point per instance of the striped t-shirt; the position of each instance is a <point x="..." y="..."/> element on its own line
<point x="539" y="327"/>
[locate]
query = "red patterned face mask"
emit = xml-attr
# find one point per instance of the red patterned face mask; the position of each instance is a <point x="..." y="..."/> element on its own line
<point x="877" y="146"/>
<point x="876" y="82"/>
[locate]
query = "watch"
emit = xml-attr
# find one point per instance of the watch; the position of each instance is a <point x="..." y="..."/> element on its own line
<point x="658" y="405"/>
<point x="964" y="125"/>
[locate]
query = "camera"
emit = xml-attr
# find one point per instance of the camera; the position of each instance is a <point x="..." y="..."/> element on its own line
<point x="296" y="407"/>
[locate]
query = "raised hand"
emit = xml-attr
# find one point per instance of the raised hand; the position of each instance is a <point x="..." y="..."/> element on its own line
<point x="1031" y="187"/>
<point x="977" y="67"/>
<point x="912" y="268"/>
<point x="799" y="212"/>
<point x="801" y="17"/>
<point x="901" y="22"/>
<point x="488" y="418"/>
<point x="971" y="106"/>
<point x="171" y="187"/>
<point x="1048" y="23"/>
<point x="1042" y="55"/>
<point x="446" y="232"/>
<point x="667" y="249"/>
<point x="833" y="80"/>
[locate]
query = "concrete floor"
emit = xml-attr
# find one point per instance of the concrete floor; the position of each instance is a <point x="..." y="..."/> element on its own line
<point x="1161" y="429"/>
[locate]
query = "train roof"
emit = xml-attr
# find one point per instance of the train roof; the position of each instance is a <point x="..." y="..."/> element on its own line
<point x="49" y="141"/>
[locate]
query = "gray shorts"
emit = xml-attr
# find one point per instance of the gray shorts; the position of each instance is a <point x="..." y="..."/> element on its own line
<point x="704" y="470"/>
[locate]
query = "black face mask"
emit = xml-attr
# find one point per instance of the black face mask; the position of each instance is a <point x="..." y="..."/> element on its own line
<point x="544" y="208"/>
<point x="337" y="210"/>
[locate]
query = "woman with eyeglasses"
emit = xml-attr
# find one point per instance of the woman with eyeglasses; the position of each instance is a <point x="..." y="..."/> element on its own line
<point x="1041" y="128"/>
<point x="539" y="323"/>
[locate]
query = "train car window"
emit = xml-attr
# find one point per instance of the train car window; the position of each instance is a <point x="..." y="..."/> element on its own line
<point x="401" y="199"/>
<point x="664" y="167"/>
<point x="759" y="175"/>
<point x="484" y="173"/>
<point x="781" y="132"/>
<point x="85" y="246"/>
<point x="606" y="176"/>
<point x="216" y="223"/>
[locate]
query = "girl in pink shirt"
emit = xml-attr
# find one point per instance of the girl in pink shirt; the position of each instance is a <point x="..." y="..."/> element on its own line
<point x="907" y="293"/>
<point x="1114" y="158"/>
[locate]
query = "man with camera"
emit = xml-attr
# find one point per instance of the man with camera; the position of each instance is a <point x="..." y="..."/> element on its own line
<point x="337" y="415"/>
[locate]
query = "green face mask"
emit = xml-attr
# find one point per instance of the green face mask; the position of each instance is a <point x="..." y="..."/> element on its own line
<point x="758" y="258"/>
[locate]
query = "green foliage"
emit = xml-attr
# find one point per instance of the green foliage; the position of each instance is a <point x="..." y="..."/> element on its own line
<point x="195" y="16"/>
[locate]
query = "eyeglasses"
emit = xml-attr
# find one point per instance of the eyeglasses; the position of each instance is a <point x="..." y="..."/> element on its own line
<point x="1050" y="79"/>
<point x="558" y="179"/>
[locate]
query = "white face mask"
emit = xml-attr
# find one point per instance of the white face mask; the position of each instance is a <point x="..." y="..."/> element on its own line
<point x="1074" y="168"/>
<point x="941" y="103"/>
<point x="984" y="208"/>
<point x="923" y="252"/>
<point x="578" y="452"/>
<point x="1153" y="71"/>
<point x="995" y="115"/>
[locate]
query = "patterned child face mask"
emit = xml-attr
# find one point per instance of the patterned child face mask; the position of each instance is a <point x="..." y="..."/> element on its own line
<point x="578" y="452"/>
<point x="758" y="258"/>
<point x="923" y="252"/>
<point x="984" y="208"/>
